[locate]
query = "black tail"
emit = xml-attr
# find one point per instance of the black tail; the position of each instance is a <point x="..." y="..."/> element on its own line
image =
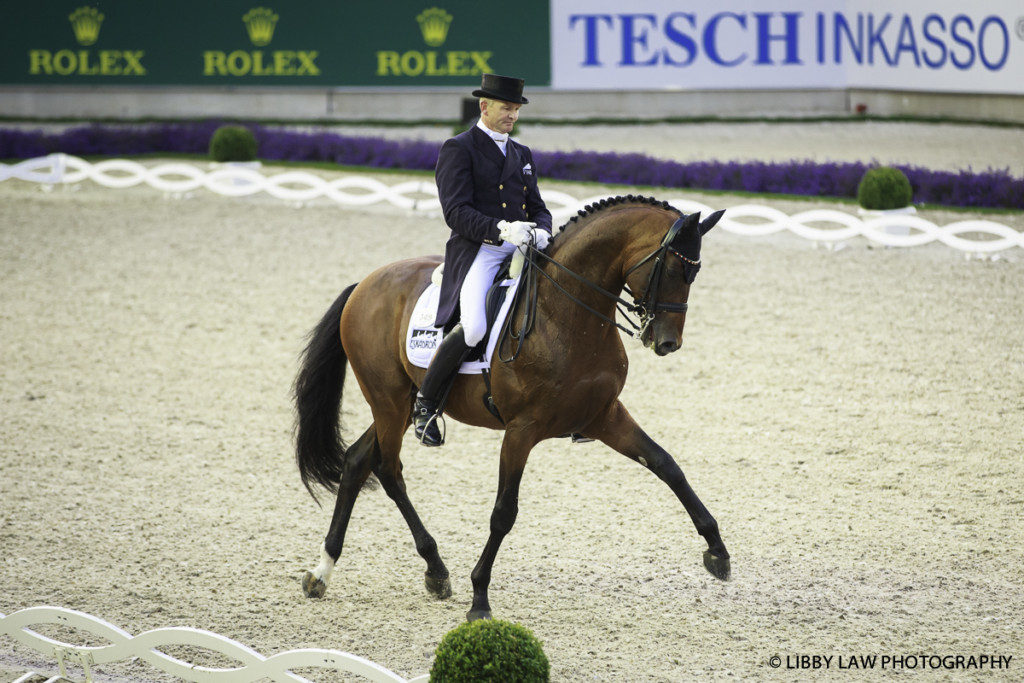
<point x="319" y="448"/>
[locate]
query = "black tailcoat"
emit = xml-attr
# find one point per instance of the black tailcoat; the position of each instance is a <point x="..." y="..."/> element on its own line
<point x="478" y="187"/>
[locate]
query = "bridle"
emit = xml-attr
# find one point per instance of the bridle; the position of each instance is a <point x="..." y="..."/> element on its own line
<point x="645" y="306"/>
<point x="648" y="305"/>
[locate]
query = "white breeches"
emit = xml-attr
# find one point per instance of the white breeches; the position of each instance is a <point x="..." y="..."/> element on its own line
<point x="473" y="297"/>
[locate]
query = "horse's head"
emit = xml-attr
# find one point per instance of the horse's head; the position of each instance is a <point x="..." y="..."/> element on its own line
<point x="663" y="282"/>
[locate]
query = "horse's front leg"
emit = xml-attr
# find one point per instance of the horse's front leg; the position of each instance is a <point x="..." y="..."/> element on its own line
<point x="621" y="432"/>
<point x="515" y="449"/>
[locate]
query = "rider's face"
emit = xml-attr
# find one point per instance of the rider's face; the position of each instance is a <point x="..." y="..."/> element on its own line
<point x="498" y="115"/>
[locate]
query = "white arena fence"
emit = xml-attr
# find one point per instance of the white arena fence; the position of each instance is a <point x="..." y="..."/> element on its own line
<point x="73" y="660"/>
<point x="824" y="226"/>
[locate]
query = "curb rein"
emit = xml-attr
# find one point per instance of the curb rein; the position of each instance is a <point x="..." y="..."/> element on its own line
<point x="645" y="307"/>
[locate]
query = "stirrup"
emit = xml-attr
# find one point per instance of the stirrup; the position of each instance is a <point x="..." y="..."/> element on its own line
<point x="576" y="437"/>
<point x="432" y="422"/>
<point x="421" y="429"/>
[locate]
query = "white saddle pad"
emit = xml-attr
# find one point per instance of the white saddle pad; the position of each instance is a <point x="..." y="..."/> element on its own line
<point x="422" y="338"/>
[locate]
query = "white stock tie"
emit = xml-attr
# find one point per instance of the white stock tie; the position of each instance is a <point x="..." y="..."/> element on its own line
<point x="500" y="139"/>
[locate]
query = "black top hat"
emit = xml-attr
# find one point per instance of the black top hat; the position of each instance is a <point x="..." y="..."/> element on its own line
<point x="502" y="88"/>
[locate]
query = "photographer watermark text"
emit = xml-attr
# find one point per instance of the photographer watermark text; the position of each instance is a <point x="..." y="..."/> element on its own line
<point x="891" y="661"/>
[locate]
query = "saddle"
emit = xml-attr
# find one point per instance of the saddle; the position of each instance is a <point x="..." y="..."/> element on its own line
<point x="496" y="293"/>
<point x="495" y="302"/>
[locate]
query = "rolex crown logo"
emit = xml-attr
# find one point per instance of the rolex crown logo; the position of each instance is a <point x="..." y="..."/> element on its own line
<point x="434" y="23"/>
<point x="260" y="22"/>
<point x="85" y="22"/>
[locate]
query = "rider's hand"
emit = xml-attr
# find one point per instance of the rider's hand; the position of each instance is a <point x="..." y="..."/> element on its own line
<point x="516" y="233"/>
<point x="541" y="238"/>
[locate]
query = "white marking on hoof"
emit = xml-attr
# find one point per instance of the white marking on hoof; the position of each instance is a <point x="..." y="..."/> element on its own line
<point x="326" y="566"/>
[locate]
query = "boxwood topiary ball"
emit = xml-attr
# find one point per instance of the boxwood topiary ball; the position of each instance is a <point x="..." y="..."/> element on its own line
<point x="489" y="650"/>
<point x="233" y="143"/>
<point x="884" y="188"/>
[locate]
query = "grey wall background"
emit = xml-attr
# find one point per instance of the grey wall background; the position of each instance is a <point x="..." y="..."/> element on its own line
<point x="340" y="105"/>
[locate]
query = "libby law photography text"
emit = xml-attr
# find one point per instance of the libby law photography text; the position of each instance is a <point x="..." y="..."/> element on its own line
<point x="892" y="661"/>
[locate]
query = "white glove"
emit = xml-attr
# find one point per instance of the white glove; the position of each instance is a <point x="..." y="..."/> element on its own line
<point x="516" y="232"/>
<point x="541" y="238"/>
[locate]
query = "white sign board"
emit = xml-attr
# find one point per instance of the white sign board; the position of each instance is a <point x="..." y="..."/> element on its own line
<point x="934" y="45"/>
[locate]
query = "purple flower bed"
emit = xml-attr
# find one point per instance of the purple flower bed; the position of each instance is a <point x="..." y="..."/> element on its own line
<point x="108" y="140"/>
<point x="991" y="188"/>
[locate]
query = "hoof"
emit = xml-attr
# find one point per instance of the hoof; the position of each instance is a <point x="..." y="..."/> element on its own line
<point x="719" y="567"/>
<point x="440" y="587"/>
<point x="475" y="614"/>
<point x="312" y="586"/>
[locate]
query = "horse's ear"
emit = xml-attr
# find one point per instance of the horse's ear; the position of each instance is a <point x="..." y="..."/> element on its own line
<point x="686" y="225"/>
<point x="710" y="221"/>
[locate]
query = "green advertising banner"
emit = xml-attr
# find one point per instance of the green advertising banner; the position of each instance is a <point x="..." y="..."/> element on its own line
<point x="300" y="42"/>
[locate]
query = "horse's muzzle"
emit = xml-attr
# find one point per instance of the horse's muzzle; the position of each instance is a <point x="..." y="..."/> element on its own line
<point x="666" y="347"/>
<point x="662" y="347"/>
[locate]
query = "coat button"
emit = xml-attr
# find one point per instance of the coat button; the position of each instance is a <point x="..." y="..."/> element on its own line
<point x="501" y="187"/>
<point x="503" y="205"/>
<point x="524" y="188"/>
<point x="524" y="206"/>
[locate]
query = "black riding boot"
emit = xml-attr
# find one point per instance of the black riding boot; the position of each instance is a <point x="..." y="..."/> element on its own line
<point x="442" y="370"/>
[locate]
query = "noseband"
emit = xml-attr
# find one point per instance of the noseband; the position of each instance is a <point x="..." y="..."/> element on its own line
<point x="646" y="306"/>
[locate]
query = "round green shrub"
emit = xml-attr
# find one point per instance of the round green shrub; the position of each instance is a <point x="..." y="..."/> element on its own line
<point x="489" y="650"/>
<point x="884" y="188"/>
<point x="233" y="143"/>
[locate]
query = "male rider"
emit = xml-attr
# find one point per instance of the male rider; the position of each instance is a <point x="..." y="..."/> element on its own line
<point x="487" y="185"/>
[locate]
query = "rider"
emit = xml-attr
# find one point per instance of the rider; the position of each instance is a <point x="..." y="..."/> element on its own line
<point x="487" y="185"/>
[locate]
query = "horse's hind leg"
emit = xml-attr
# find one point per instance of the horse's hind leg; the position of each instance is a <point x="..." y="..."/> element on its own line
<point x="389" y="473"/>
<point x="364" y="456"/>
<point x="360" y="459"/>
<point x="621" y="432"/>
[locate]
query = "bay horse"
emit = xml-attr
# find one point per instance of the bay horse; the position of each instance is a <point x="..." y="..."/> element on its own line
<point x="564" y="378"/>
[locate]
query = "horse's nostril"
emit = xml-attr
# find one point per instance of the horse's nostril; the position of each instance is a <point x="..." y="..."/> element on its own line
<point x="666" y="347"/>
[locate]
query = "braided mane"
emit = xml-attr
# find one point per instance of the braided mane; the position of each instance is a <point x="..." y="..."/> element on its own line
<point x="596" y="207"/>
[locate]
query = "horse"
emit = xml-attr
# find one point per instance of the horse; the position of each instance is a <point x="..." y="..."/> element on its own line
<point x="564" y="377"/>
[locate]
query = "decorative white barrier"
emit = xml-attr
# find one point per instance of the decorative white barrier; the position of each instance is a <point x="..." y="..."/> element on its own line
<point x="759" y="219"/>
<point x="123" y="646"/>
<point x="822" y="225"/>
<point x="223" y="179"/>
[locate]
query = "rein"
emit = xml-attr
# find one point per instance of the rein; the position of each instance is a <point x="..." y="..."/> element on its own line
<point x="645" y="307"/>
